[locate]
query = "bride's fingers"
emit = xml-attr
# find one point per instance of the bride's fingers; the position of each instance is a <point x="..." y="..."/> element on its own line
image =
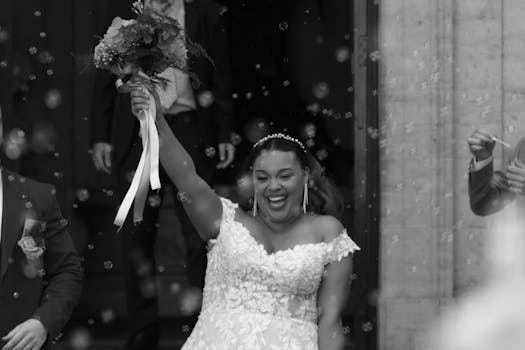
<point x="140" y="94"/>
<point x="140" y="106"/>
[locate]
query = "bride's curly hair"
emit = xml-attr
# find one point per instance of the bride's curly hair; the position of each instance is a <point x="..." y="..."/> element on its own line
<point x="323" y="198"/>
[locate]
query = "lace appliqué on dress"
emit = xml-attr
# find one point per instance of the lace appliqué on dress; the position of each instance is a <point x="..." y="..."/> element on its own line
<point x="340" y="247"/>
<point x="255" y="300"/>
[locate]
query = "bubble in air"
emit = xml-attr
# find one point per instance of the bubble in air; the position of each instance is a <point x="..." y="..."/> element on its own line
<point x="80" y="338"/>
<point x="256" y="129"/>
<point x="108" y="265"/>
<point x="367" y="327"/>
<point x="321" y="90"/>
<point x="313" y="108"/>
<point x="375" y="56"/>
<point x="83" y="194"/>
<point x="310" y="143"/>
<point x="43" y="137"/>
<point x="342" y="54"/>
<point x="205" y="99"/>
<point x="45" y="57"/>
<point x="191" y="300"/>
<point x="15" y="143"/>
<point x="175" y="287"/>
<point x="283" y="26"/>
<point x="154" y="200"/>
<point x="107" y="315"/>
<point x="236" y="139"/>
<point x="184" y="197"/>
<point x="322" y="154"/>
<point x="4" y="36"/>
<point x="210" y="152"/>
<point x="53" y="98"/>
<point x="309" y="131"/>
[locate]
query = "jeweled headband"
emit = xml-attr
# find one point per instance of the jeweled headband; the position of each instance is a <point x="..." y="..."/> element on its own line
<point x="279" y="136"/>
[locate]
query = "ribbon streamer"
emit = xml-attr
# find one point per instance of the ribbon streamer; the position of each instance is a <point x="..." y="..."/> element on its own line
<point x="147" y="172"/>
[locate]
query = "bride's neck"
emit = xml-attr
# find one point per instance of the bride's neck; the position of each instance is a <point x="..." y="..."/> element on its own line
<point x="278" y="226"/>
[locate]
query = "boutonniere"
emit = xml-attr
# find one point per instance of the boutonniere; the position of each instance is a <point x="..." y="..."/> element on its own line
<point x="32" y="241"/>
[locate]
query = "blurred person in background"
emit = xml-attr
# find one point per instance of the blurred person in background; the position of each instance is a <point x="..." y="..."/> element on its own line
<point x="40" y="269"/>
<point x="199" y="111"/>
<point x="490" y="190"/>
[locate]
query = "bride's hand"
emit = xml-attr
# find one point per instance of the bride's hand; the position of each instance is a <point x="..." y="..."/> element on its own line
<point x="140" y="100"/>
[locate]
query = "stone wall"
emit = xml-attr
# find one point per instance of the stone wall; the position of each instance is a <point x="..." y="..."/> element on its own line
<point x="446" y="68"/>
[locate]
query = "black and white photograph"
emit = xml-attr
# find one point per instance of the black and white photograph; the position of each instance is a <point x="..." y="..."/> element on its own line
<point x="262" y="175"/>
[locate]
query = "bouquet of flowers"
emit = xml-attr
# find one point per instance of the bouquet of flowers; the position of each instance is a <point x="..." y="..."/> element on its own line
<point x="137" y="51"/>
<point x="144" y="47"/>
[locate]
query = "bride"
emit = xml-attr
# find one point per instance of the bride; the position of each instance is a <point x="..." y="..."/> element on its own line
<point x="277" y="276"/>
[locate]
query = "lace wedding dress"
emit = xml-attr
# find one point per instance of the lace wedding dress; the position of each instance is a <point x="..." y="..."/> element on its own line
<point x="254" y="300"/>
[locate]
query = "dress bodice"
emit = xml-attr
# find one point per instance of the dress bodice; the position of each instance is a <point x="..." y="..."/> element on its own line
<point x="242" y="276"/>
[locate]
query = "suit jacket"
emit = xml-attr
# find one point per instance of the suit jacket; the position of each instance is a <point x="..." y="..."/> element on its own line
<point x="488" y="190"/>
<point x="49" y="297"/>
<point x="112" y="120"/>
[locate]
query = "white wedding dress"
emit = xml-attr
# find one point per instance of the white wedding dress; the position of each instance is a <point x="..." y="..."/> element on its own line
<point x="254" y="300"/>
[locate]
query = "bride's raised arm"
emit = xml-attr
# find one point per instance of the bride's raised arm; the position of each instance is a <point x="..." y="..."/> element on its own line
<point x="201" y="203"/>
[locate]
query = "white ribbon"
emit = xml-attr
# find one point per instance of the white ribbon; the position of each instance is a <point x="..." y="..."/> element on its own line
<point x="147" y="172"/>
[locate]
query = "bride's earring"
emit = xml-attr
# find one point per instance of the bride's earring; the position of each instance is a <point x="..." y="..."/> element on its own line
<point x="305" y="197"/>
<point x="254" y="209"/>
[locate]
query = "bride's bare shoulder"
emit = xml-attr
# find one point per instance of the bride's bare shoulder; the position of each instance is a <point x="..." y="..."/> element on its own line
<point x="328" y="226"/>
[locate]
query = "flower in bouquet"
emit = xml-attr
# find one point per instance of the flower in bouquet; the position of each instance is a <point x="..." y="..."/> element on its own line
<point x="148" y="45"/>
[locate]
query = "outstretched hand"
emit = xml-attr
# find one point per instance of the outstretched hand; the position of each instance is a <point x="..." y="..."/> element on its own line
<point x="481" y="144"/>
<point x="140" y="100"/>
<point x="226" y="155"/>
<point x="30" y="334"/>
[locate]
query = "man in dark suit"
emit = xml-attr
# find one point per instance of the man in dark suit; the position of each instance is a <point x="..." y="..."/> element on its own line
<point x="201" y="118"/>
<point x="489" y="190"/>
<point x="40" y="271"/>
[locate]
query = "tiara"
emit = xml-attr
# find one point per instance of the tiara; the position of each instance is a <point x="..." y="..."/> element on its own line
<point x="279" y="136"/>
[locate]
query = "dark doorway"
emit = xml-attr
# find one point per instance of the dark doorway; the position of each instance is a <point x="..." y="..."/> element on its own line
<point x="304" y="67"/>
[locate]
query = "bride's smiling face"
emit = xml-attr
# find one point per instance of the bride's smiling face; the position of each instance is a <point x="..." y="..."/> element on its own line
<point x="278" y="180"/>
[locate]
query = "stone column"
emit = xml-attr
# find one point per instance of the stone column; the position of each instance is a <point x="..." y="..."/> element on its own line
<point x="447" y="68"/>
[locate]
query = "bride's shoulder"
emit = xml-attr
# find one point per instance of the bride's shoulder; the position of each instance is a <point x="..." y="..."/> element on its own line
<point x="329" y="227"/>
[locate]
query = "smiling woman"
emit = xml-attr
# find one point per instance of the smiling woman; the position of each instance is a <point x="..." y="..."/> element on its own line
<point x="293" y="302"/>
<point x="294" y="174"/>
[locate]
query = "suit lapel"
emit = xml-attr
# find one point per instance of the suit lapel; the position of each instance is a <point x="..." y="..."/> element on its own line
<point x="13" y="210"/>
